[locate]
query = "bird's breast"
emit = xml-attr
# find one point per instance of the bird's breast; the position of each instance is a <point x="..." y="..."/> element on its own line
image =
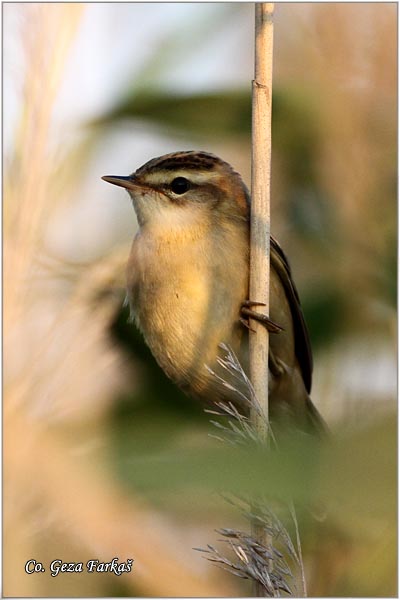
<point x="186" y="300"/>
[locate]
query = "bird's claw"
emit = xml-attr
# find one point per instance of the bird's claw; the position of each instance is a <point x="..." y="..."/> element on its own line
<point x="245" y="323"/>
<point x="260" y="317"/>
<point x="250" y="303"/>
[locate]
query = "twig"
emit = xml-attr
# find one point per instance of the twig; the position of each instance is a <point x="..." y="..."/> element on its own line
<point x="260" y="225"/>
<point x="260" y="204"/>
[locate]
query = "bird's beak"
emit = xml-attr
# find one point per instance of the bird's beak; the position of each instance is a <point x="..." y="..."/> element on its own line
<point x="125" y="182"/>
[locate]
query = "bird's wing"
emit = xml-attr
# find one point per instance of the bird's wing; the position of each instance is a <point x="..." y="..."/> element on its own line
<point x="302" y="343"/>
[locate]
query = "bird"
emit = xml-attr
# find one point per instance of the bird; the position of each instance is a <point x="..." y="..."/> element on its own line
<point x="188" y="285"/>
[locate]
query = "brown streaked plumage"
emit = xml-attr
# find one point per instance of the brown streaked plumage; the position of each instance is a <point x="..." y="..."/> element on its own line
<point x="187" y="281"/>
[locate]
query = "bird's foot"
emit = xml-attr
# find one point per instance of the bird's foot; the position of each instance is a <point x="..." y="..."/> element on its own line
<point x="247" y="313"/>
<point x="245" y="323"/>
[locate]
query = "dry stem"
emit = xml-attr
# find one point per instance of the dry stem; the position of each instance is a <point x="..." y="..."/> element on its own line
<point x="260" y="221"/>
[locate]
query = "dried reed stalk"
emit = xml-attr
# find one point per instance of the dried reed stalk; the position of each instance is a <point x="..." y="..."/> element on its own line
<point x="260" y="224"/>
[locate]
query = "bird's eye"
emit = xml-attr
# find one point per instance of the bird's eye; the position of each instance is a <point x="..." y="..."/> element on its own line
<point x="180" y="185"/>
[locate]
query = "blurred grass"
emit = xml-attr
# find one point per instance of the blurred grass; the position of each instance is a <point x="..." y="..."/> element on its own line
<point x="348" y="471"/>
<point x="214" y="115"/>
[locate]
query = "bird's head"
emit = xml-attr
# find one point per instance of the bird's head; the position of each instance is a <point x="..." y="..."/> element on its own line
<point x="184" y="186"/>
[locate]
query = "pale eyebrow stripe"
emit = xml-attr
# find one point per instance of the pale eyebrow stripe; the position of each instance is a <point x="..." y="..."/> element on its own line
<point x="197" y="177"/>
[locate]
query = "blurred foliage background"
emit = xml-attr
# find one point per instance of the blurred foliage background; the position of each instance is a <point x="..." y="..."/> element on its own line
<point x="103" y="457"/>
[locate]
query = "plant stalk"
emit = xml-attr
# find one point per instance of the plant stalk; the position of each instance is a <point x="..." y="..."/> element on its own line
<point x="260" y="225"/>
